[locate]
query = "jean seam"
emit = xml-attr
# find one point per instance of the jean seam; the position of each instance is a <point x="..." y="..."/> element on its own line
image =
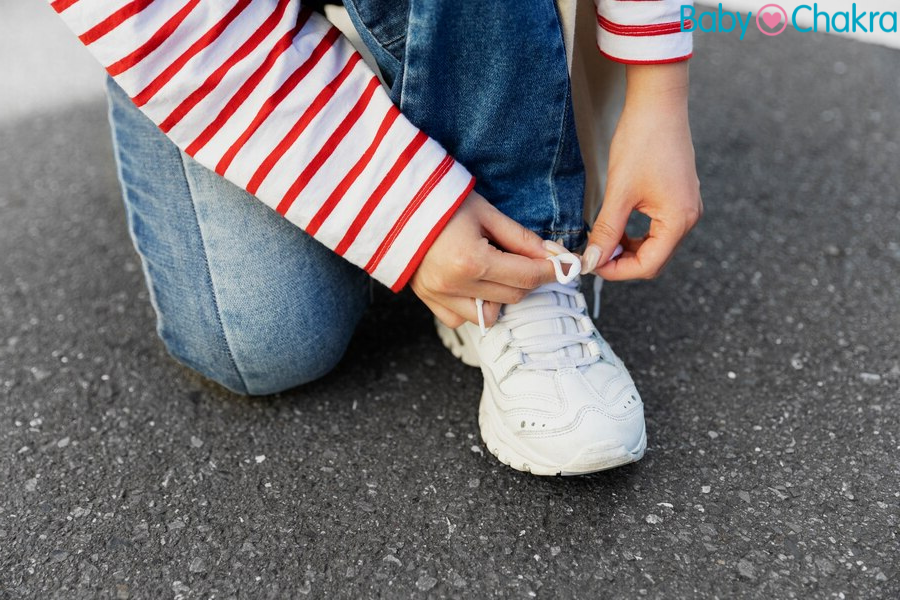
<point x="129" y="212"/>
<point x="404" y="64"/>
<point x="390" y="41"/>
<point x="212" y="284"/>
<point x="382" y="45"/>
<point x="130" y="218"/>
<point x="561" y="140"/>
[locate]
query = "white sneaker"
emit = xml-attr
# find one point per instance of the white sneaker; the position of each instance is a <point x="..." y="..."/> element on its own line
<point x="556" y="400"/>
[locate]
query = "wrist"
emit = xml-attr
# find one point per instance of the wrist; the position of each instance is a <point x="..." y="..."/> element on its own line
<point x="662" y="87"/>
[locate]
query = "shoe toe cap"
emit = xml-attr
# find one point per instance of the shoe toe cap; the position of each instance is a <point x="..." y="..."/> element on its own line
<point x="592" y="435"/>
<point x="601" y="430"/>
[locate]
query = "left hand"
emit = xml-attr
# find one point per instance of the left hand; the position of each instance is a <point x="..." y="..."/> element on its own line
<point x="651" y="170"/>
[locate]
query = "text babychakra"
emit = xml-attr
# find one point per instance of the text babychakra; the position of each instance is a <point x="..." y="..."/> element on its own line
<point x="773" y="20"/>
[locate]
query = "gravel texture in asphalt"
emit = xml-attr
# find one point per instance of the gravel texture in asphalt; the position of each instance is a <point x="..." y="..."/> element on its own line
<point x="767" y="357"/>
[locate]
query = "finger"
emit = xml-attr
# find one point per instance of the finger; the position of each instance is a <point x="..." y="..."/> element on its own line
<point x="494" y="292"/>
<point x="609" y="228"/>
<point x="644" y="259"/>
<point x="445" y="316"/>
<point x="631" y="244"/>
<point x="518" y="271"/>
<point x="509" y="235"/>
<point x="629" y="247"/>
<point x="466" y="308"/>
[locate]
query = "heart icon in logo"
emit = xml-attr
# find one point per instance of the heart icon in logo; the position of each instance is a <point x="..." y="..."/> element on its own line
<point x="771" y="19"/>
<point x="773" y="16"/>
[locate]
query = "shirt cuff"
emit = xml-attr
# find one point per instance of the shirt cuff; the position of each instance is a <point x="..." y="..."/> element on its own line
<point x="643" y="32"/>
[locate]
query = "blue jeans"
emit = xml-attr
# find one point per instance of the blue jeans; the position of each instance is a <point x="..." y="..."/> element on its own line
<point x="252" y="302"/>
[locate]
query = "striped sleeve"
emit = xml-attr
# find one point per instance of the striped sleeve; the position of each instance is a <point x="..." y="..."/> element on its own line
<point x="643" y="31"/>
<point x="269" y="95"/>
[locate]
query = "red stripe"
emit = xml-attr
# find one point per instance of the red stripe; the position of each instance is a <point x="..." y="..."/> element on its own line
<point x="641" y="30"/>
<point x="278" y="97"/>
<point x="246" y="48"/>
<point x="154" y="42"/>
<point x="208" y="38"/>
<point x="61" y="5"/>
<point x="300" y="126"/>
<point x="433" y="180"/>
<point x="328" y="148"/>
<point x="246" y="88"/>
<point x="661" y="61"/>
<point x="378" y="195"/>
<point x="429" y="240"/>
<point x="352" y="175"/>
<point x="114" y="20"/>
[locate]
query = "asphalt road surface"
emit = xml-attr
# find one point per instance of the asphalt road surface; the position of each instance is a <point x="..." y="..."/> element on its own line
<point x="767" y="356"/>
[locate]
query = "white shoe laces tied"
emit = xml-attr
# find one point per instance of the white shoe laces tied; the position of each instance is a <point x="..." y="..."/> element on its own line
<point x="549" y="345"/>
<point x="562" y="277"/>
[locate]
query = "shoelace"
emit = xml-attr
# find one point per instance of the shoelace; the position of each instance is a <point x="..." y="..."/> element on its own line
<point x="563" y="278"/>
<point x="550" y="344"/>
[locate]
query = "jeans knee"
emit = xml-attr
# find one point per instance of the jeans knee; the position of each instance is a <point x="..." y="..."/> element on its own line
<point x="205" y="358"/>
<point x="261" y="367"/>
<point x="305" y="364"/>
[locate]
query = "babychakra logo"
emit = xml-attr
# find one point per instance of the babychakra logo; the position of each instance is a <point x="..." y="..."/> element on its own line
<point x="772" y="20"/>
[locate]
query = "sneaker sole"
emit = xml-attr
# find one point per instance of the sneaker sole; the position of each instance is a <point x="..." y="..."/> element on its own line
<point x="597" y="457"/>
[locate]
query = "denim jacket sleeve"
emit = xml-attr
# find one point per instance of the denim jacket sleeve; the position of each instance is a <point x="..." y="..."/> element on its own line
<point x="643" y="31"/>
<point x="268" y="94"/>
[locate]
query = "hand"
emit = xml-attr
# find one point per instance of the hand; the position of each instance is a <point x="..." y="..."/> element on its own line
<point x="651" y="170"/>
<point x="462" y="265"/>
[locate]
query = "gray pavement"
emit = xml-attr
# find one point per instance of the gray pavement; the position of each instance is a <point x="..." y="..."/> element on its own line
<point x="767" y="357"/>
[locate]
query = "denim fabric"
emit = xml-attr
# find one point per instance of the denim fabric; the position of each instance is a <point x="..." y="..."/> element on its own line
<point x="489" y="80"/>
<point x="241" y="295"/>
<point x="249" y="300"/>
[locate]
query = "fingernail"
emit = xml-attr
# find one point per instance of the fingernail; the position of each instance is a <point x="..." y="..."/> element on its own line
<point x="554" y="248"/>
<point x="617" y="252"/>
<point x="589" y="259"/>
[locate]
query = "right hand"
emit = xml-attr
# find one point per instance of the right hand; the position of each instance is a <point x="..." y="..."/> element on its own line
<point x="462" y="264"/>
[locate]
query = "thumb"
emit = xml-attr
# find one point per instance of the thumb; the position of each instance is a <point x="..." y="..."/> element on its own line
<point x="609" y="228"/>
<point x="511" y="236"/>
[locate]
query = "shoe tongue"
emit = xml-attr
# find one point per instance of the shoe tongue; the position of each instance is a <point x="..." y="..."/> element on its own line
<point x="547" y="326"/>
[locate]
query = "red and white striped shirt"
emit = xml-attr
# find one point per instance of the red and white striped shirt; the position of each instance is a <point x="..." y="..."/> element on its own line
<point x="269" y="95"/>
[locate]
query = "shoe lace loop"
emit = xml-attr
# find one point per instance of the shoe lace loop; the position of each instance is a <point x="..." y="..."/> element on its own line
<point x="562" y="277"/>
